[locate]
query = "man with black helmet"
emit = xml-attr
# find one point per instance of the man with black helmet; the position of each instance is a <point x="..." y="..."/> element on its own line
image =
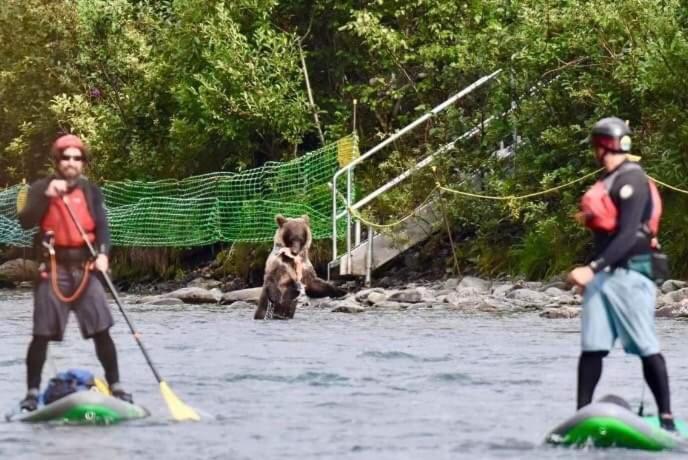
<point x="66" y="283"/>
<point x="623" y="210"/>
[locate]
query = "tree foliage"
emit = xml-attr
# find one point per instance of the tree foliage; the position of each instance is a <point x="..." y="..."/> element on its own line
<point x="178" y="87"/>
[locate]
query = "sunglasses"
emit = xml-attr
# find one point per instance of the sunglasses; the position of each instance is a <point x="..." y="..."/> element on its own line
<point x="78" y="158"/>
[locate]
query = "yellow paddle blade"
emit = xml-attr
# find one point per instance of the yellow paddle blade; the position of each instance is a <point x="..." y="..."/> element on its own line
<point x="101" y="386"/>
<point x="179" y="410"/>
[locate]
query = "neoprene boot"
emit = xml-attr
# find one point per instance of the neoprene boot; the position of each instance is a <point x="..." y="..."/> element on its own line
<point x="119" y="393"/>
<point x="30" y="402"/>
<point x="667" y="423"/>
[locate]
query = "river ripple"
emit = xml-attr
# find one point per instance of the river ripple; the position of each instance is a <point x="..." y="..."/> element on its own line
<point x="378" y="385"/>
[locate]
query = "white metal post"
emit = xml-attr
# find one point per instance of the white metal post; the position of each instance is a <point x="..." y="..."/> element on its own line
<point x="369" y="259"/>
<point x="349" y="199"/>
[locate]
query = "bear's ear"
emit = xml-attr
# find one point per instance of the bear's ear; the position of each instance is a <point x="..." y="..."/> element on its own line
<point x="306" y="219"/>
<point x="280" y="219"/>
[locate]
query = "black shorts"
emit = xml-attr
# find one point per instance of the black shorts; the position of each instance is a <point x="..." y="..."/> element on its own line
<point x="50" y="315"/>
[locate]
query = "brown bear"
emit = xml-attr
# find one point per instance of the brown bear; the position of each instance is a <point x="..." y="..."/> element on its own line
<point x="288" y="270"/>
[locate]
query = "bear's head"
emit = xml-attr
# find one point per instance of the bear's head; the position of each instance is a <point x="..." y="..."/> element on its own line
<point x="294" y="234"/>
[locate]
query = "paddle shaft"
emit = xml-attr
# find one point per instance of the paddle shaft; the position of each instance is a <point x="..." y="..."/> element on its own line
<point x="112" y="289"/>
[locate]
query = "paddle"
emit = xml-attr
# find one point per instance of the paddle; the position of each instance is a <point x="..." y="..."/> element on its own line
<point x="101" y="386"/>
<point x="178" y="409"/>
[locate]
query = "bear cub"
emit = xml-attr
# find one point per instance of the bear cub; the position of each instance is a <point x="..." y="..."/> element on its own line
<point x="288" y="270"/>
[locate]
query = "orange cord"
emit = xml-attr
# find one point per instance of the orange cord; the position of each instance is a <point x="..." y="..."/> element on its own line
<point x="56" y="288"/>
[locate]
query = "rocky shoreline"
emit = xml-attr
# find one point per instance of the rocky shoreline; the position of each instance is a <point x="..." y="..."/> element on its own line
<point x="468" y="294"/>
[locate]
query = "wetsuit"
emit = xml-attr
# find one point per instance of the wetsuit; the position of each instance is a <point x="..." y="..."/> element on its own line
<point x="91" y="307"/>
<point x="620" y="301"/>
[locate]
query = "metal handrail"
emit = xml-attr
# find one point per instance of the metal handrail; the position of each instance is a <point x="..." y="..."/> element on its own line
<point x="349" y="168"/>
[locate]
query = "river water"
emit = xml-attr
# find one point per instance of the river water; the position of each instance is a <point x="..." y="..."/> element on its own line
<point x="377" y="385"/>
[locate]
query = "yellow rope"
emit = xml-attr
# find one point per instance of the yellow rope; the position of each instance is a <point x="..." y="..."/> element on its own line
<point x="514" y="197"/>
<point x="440" y="187"/>
<point x="671" y="187"/>
<point x="360" y="217"/>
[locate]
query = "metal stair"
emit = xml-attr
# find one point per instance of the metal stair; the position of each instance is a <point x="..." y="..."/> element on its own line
<point x="361" y="258"/>
<point x="373" y="253"/>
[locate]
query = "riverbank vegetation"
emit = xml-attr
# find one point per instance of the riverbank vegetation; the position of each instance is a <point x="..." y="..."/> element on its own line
<point x="172" y="88"/>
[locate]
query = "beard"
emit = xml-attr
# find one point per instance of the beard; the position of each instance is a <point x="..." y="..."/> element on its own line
<point x="70" y="173"/>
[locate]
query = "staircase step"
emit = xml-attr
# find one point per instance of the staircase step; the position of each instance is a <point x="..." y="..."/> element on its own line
<point x="427" y="220"/>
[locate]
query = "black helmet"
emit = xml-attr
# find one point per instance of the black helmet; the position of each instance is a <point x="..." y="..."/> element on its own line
<point x="612" y="134"/>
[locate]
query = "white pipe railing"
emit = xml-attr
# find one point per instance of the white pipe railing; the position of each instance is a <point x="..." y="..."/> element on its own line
<point x="421" y="164"/>
<point x="348" y="169"/>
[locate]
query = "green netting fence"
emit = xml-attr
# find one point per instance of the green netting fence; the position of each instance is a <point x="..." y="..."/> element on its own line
<point x="216" y="207"/>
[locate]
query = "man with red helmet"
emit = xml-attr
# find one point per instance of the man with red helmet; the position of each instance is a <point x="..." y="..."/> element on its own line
<point x="623" y="211"/>
<point x="65" y="283"/>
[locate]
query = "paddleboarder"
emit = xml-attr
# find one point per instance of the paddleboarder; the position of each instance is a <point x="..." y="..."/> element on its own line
<point x="623" y="210"/>
<point x="69" y="278"/>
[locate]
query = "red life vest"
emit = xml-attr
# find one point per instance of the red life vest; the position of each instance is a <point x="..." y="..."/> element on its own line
<point x="600" y="212"/>
<point x="58" y="220"/>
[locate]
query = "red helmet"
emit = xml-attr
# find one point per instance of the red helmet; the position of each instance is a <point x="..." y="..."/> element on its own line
<point x="66" y="141"/>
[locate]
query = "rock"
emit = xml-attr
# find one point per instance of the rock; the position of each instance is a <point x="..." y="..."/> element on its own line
<point x="427" y="295"/>
<point x="451" y="283"/>
<point x="559" y="284"/>
<point x="162" y="300"/>
<point x="196" y="295"/>
<point x="534" y="285"/>
<point x="414" y="295"/>
<point x="460" y="301"/>
<point x="569" y="299"/>
<point x="502" y="290"/>
<point x="233" y="285"/>
<point x="529" y="297"/>
<point x="673" y="311"/>
<point x="364" y="295"/>
<point x="488" y="308"/>
<point x="25" y="285"/>
<point x="245" y="295"/>
<point x="18" y="270"/>
<point x="470" y="292"/>
<point x="555" y="292"/>
<point x="204" y="283"/>
<point x="443" y="298"/>
<point x="561" y="312"/>
<point x="348" y="309"/>
<point x="676" y="296"/>
<point x="320" y="302"/>
<point x="240" y="304"/>
<point x="376" y="297"/>
<point x="672" y="285"/>
<point x="494" y="304"/>
<point x="471" y="282"/>
<point x="347" y="306"/>
<point x="407" y="296"/>
<point x="147" y="299"/>
<point x="391" y="305"/>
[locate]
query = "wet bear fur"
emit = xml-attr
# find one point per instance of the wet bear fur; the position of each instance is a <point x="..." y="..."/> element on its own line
<point x="288" y="267"/>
